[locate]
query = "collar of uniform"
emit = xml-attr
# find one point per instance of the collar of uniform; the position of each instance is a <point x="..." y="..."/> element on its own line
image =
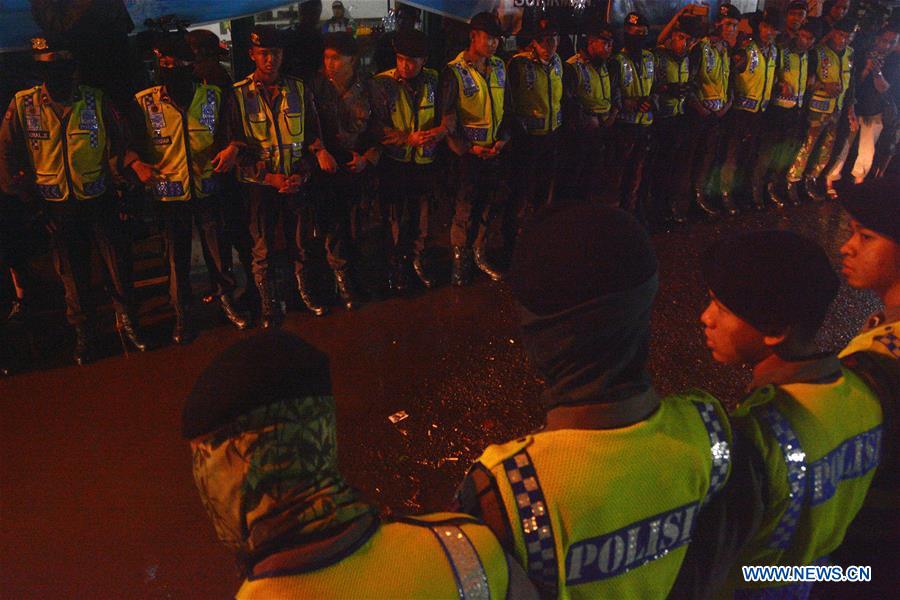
<point x="822" y="368"/>
<point x="889" y="314"/>
<point x="46" y="98"/>
<point x="605" y="415"/>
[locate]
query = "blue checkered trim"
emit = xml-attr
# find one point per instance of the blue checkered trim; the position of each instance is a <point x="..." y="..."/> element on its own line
<point x="471" y="580"/>
<point x="95" y="188"/>
<point x="540" y="547"/>
<point x="208" y="111"/>
<point x="209" y="186"/>
<point x="476" y="134"/>
<point x="719" y="448"/>
<point x="93" y="125"/>
<point x="50" y="192"/>
<point x="820" y="105"/>
<point x="713" y="104"/>
<point x="165" y="189"/>
<point x="889" y="341"/>
<point x="470" y="87"/>
<point x="795" y="461"/>
<point x="746" y="103"/>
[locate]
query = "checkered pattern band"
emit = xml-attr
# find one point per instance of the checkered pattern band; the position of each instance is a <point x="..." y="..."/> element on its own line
<point x="90" y="103"/>
<point x="540" y="547"/>
<point x="795" y="461"/>
<point x="471" y="580"/>
<point x="891" y="342"/>
<point x="719" y="448"/>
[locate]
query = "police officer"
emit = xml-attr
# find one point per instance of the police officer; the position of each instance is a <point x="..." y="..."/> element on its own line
<point x="591" y="99"/>
<point x="473" y="103"/>
<point x="814" y="426"/>
<point x="710" y="70"/>
<point x="871" y="259"/>
<point x="671" y="190"/>
<point x="276" y="124"/>
<point x="830" y="68"/>
<point x="182" y="144"/>
<point x="404" y="104"/>
<point x="601" y="502"/>
<point x="753" y="78"/>
<point x="351" y="152"/>
<point x="781" y="132"/>
<point x="536" y="89"/>
<point x="261" y="425"/>
<point x="636" y="74"/>
<point x="61" y="141"/>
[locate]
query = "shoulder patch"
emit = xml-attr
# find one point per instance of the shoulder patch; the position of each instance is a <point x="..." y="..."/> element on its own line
<point x="241" y="83"/>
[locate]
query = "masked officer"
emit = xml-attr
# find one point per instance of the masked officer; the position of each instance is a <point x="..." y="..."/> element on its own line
<point x="815" y="426"/>
<point x="404" y="104"/>
<point x="62" y="141"/>
<point x="351" y="151"/>
<point x="671" y="190"/>
<point x="536" y="90"/>
<point x="182" y="144"/>
<point x="276" y="124"/>
<point x="871" y="259"/>
<point x="781" y="132"/>
<point x="601" y="502"/>
<point x="753" y="78"/>
<point x="591" y="99"/>
<point x="473" y="103"/>
<point x="710" y="70"/>
<point x="636" y="73"/>
<point x="261" y="424"/>
<point x="830" y="68"/>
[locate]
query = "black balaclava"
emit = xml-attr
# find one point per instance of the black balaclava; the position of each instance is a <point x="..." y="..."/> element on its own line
<point x="179" y="82"/>
<point x="59" y="77"/>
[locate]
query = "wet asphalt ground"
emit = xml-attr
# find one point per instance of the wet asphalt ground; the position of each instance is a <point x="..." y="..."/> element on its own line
<point x="97" y="495"/>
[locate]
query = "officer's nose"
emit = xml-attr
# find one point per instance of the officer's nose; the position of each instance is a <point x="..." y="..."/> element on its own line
<point x="706" y="316"/>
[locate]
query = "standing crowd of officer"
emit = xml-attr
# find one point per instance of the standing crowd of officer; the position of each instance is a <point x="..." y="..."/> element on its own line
<point x="709" y="121"/>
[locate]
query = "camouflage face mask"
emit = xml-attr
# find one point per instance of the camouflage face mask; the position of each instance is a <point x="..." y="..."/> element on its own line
<point x="274" y="472"/>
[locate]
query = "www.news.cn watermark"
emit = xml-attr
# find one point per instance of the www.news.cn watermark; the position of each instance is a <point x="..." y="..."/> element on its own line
<point x="806" y="574"/>
<point x="551" y="3"/>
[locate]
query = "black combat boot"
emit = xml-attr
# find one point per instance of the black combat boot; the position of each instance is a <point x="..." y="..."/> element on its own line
<point x="485" y="267"/>
<point x="307" y="298"/>
<point x="462" y="266"/>
<point x="129" y="333"/>
<point x="703" y="205"/>
<point x="184" y="331"/>
<point x="793" y="193"/>
<point x="345" y="289"/>
<point x="773" y="195"/>
<point x="728" y="205"/>
<point x="421" y="273"/>
<point x="18" y="312"/>
<point x="84" y="347"/>
<point x="812" y="190"/>
<point x="231" y="313"/>
<point x="758" y="199"/>
<point x="271" y="314"/>
<point x="398" y="277"/>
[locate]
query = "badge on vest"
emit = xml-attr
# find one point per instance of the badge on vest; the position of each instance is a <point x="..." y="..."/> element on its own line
<point x="529" y="75"/>
<point x="157" y="119"/>
<point x="710" y="58"/>
<point x="585" y="76"/>
<point x="88" y="120"/>
<point x="470" y="88"/>
<point x="754" y="61"/>
<point x="162" y="140"/>
<point x="38" y="135"/>
<point x="500" y="71"/>
<point x="33" y="122"/>
<point x="208" y="112"/>
<point x="627" y="73"/>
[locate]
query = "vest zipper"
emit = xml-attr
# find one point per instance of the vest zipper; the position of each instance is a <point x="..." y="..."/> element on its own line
<point x="278" y="133"/>
<point x="487" y="83"/>
<point x="187" y="147"/>
<point x="550" y="120"/>
<point x="64" y="129"/>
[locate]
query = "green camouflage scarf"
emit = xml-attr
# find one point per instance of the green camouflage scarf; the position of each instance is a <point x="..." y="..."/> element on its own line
<point x="269" y="481"/>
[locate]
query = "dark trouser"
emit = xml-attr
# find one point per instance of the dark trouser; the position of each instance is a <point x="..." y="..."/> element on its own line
<point x="671" y="177"/>
<point x="632" y="148"/>
<point x="483" y="195"/>
<point x="235" y="212"/>
<point x="534" y="160"/>
<point x="584" y="169"/>
<point x="706" y="132"/>
<point x="406" y="192"/>
<point x="178" y="219"/>
<point x="818" y="142"/>
<point x="780" y="139"/>
<point x="79" y="224"/>
<point x="740" y="132"/>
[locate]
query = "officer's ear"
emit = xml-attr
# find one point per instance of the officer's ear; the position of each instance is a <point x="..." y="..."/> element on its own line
<point x="775" y="340"/>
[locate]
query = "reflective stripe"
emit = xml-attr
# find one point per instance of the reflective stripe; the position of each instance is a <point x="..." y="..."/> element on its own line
<point x="721" y="452"/>
<point x="95" y="188"/>
<point x="889" y="341"/>
<point x="89" y="119"/>
<point x="471" y="580"/>
<point x="540" y="547"/>
<point x="713" y="104"/>
<point x="476" y="134"/>
<point x="747" y="103"/>
<point x="795" y="461"/>
<point x="50" y="192"/>
<point x="853" y="458"/>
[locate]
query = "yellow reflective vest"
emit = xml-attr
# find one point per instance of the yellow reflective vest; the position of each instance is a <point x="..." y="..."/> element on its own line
<point x="831" y="68"/>
<point x="69" y="157"/>
<point x="594" y="90"/>
<point x="406" y="118"/>
<point x="180" y="143"/>
<point x="821" y="443"/>
<point x="278" y="137"/>
<point x="712" y="75"/>
<point x="636" y="83"/>
<point x="753" y="86"/>
<point x="671" y="69"/>
<point x="480" y="102"/>
<point x="537" y="94"/>
<point x="433" y="556"/>
<point x="792" y="68"/>
<point x="608" y="513"/>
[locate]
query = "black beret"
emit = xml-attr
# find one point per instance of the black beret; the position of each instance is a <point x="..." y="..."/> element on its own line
<point x="579" y="253"/>
<point x="636" y="19"/>
<point x="847" y="25"/>
<point x="772" y="279"/>
<point x="773" y="17"/>
<point x="342" y="42"/>
<point x="205" y="43"/>
<point x="543" y="27"/>
<point x="692" y="25"/>
<point x="260" y="370"/>
<point x="798" y="5"/>
<point x="412" y="43"/>
<point x="50" y="48"/>
<point x="875" y="203"/>
<point x="599" y="29"/>
<point x="174" y="45"/>
<point x="266" y="36"/>
<point x="487" y="22"/>
<point x="728" y="11"/>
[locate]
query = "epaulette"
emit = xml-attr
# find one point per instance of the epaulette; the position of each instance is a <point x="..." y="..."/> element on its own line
<point x="495" y="454"/>
<point x="149" y="90"/>
<point x="241" y="83"/>
<point x="445" y="518"/>
<point x="758" y="397"/>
